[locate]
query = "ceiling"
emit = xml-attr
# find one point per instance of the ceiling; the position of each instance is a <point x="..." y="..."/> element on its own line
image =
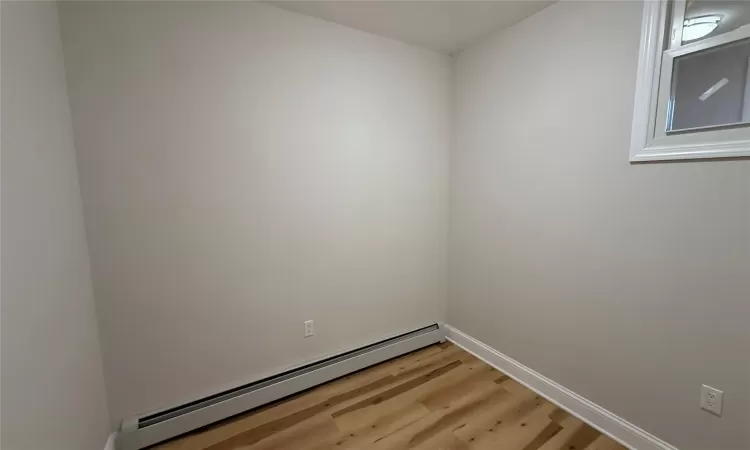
<point x="443" y="26"/>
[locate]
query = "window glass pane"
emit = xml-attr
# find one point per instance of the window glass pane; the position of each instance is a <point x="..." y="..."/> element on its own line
<point x="708" y="18"/>
<point x="710" y="88"/>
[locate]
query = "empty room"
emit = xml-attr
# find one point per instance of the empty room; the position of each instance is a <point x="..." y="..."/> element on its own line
<point x="375" y="225"/>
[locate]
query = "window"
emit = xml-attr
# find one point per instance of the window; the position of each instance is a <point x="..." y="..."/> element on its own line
<point x="693" y="89"/>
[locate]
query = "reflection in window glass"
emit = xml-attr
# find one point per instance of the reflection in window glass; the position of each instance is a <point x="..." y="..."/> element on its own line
<point x="710" y="88"/>
<point x="708" y="18"/>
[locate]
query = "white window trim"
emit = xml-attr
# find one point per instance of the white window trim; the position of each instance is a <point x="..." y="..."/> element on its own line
<point x="642" y="145"/>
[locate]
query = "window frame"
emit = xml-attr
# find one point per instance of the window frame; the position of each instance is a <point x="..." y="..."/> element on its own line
<point x="661" y="43"/>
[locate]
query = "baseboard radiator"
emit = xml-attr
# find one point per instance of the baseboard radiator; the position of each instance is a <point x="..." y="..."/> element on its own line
<point x="149" y="429"/>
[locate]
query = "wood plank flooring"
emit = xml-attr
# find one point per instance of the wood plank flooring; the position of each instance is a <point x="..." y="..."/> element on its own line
<point x="440" y="397"/>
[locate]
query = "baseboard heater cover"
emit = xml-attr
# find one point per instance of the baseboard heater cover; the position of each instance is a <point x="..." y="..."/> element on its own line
<point x="148" y="429"/>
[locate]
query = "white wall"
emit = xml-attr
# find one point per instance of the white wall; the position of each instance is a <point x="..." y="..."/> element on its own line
<point x="53" y="388"/>
<point x="628" y="284"/>
<point x="245" y="169"/>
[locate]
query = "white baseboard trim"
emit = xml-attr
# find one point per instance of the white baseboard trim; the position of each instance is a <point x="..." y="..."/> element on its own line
<point x="110" y="445"/>
<point x="606" y="422"/>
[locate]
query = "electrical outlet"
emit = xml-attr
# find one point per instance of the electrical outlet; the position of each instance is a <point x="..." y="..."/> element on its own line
<point x="309" y="328"/>
<point x="712" y="399"/>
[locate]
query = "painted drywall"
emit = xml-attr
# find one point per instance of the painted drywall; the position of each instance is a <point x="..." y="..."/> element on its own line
<point x="53" y="387"/>
<point x="626" y="283"/>
<point x="244" y="169"/>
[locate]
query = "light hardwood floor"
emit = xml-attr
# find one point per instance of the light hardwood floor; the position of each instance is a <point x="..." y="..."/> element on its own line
<point x="439" y="397"/>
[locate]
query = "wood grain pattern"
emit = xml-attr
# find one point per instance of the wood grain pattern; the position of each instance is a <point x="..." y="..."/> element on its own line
<point x="439" y="397"/>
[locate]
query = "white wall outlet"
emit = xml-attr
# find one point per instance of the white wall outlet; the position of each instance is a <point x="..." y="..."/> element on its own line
<point x="309" y="328"/>
<point x="712" y="399"/>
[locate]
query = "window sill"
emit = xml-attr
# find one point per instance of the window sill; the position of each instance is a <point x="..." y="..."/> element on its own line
<point x="737" y="149"/>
